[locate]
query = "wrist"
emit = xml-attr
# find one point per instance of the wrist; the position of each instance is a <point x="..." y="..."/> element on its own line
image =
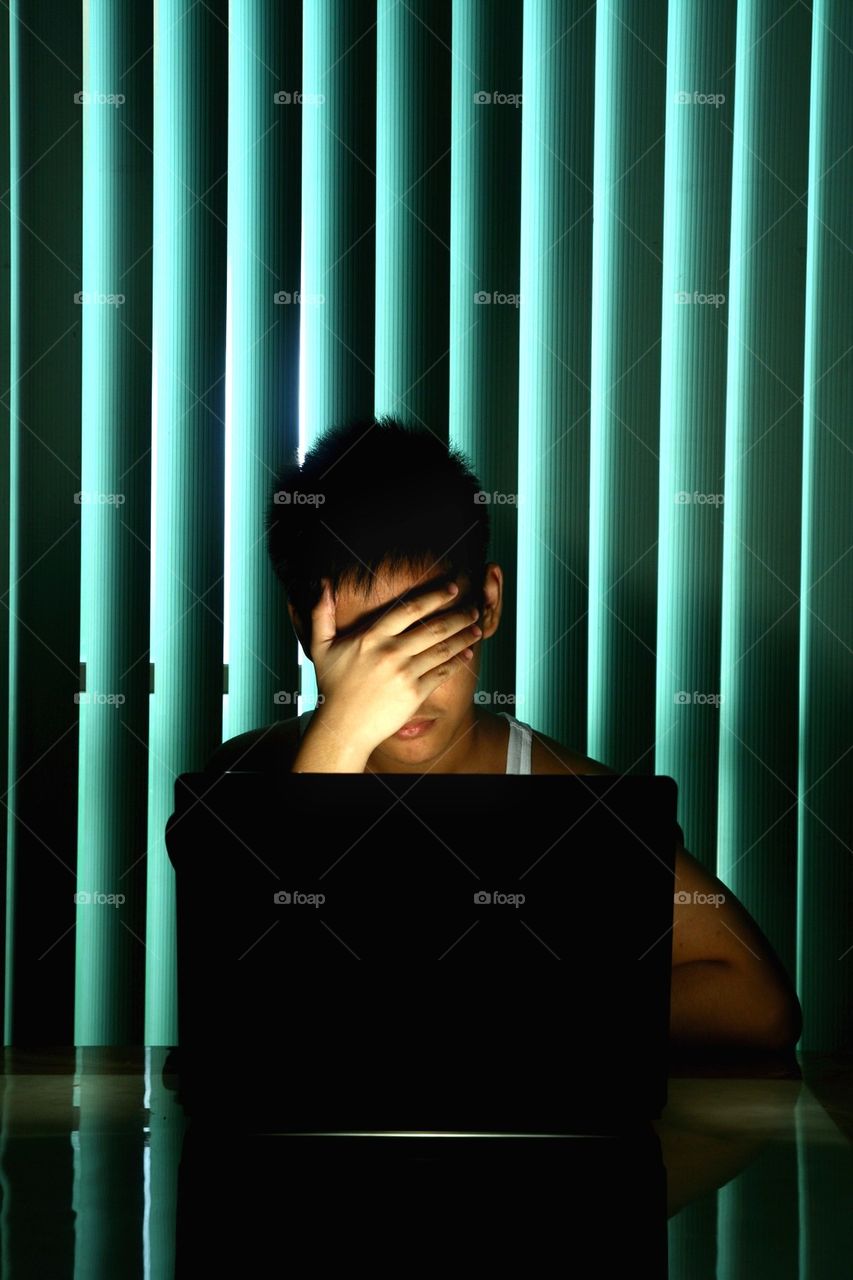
<point x="331" y="743"/>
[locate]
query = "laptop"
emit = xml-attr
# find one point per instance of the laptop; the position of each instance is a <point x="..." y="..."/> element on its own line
<point x="422" y="954"/>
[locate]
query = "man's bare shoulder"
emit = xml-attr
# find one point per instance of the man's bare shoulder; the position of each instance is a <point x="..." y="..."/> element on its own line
<point x="551" y="756"/>
<point x="269" y="745"/>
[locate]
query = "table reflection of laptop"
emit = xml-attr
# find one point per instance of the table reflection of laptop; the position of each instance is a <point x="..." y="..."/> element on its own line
<point x="555" y="960"/>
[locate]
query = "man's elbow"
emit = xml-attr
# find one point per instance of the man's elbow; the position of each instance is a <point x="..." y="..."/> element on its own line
<point x="782" y="1025"/>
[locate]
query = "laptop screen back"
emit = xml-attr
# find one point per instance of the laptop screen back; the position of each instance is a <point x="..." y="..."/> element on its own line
<point x="517" y="929"/>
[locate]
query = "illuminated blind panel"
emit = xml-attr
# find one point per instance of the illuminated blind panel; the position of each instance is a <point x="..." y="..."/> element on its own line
<point x="413" y="211"/>
<point x="630" y="115"/>
<point x="692" y="1241"/>
<point x="485" y="215"/>
<point x="825" y="739"/>
<point x="264" y="216"/>
<point x="757" y="850"/>
<point x="189" y="295"/>
<point x="115" y="525"/>
<point x="554" y="367"/>
<point x="694" y="332"/>
<point x="338" y="235"/>
<point x="758" y="1233"/>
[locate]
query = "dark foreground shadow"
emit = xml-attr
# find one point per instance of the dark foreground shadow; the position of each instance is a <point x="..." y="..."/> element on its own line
<point x="279" y="1204"/>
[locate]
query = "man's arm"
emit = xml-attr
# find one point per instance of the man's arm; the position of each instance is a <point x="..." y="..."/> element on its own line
<point x="728" y="985"/>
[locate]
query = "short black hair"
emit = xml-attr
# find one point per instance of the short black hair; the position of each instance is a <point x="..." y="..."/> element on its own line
<point x="375" y="494"/>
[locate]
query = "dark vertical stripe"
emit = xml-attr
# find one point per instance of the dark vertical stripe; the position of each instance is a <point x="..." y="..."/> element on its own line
<point x="413" y="211"/>
<point x="43" y="602"/>
<point x="825" y="826"/>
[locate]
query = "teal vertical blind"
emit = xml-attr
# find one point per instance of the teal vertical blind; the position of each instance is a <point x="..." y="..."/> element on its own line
<point x="605" y="249"/>
<point x="338" y="229"/>
<point x="485" y="219"/>
<point x="190" y="171"/>
<point x="556" y="286"/>
<point x="115" y="524"/>
<point x="262" y="346"/>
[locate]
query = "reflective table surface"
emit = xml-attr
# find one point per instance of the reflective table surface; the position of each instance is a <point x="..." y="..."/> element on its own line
<point x="748" y="1173"/>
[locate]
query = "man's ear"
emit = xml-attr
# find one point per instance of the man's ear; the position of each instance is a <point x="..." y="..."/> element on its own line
<point x="492" y="599"/>
<point x="296" y="623"/>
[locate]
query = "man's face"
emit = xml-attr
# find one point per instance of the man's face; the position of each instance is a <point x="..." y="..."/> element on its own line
<point x="451" y="703"/>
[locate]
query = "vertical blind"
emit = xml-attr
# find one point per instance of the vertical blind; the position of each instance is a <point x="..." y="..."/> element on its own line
<point x="604" y="248"/>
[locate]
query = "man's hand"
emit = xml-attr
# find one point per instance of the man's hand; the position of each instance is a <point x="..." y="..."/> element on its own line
<point x="373" y="681"/>
<point x="728" y="985"/>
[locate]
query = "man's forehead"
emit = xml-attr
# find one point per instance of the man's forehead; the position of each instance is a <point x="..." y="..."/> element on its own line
<point x="389" y="589"/>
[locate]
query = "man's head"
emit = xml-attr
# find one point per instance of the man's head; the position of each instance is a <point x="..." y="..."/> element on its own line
<point x="384" y="511"/>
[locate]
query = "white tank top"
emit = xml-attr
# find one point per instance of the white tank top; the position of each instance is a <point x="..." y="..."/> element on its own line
<point x="519" y="749"/>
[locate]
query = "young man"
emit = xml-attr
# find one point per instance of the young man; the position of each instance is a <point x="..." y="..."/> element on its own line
<point x="381" y="546"/>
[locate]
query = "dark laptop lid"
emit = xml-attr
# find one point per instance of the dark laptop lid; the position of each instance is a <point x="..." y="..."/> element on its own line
<point x="546" y="901"/>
